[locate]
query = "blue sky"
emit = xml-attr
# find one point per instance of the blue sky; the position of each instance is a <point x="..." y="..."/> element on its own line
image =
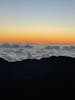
<point x="37" y="17"/>
<point x="49" y="12"/>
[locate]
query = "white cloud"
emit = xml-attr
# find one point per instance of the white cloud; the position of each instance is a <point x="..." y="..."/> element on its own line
<point x="17" y="52"/>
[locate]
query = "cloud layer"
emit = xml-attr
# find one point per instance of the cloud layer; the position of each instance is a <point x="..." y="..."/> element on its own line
<point x="18" y="52"/>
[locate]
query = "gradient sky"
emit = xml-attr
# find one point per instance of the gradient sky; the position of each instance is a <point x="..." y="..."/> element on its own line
<point x="42" y="21"/>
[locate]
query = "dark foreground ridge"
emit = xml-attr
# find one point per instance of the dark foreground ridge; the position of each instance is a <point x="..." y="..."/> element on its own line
<point x="49" y="76"/>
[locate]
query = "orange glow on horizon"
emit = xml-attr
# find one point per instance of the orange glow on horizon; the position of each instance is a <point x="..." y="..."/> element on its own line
<point x="39" y="35"/>
<point x="38" y="39"/>
<point x="37" y="21"/>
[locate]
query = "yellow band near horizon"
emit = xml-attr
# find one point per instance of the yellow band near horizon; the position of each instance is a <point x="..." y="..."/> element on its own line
<point x="37" y="34"/>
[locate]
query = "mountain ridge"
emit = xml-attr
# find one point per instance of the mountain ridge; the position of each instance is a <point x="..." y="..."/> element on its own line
<point x="42" y="59"/>
<point x="48" y="76"/>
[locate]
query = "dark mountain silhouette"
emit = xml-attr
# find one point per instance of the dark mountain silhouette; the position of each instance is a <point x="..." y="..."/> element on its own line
<point x="48" y="76"/>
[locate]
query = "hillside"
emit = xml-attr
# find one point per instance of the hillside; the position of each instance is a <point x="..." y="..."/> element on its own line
<point x="48" y="76"/>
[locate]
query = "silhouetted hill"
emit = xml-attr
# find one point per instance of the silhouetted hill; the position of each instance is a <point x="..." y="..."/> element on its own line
<point x="48" y="76"/>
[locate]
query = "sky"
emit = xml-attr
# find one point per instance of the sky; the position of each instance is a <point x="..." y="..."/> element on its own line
<point x="37" y="21"/>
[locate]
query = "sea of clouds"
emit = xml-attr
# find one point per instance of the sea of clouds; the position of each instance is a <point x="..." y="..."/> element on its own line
<point x="18" y="52"/>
